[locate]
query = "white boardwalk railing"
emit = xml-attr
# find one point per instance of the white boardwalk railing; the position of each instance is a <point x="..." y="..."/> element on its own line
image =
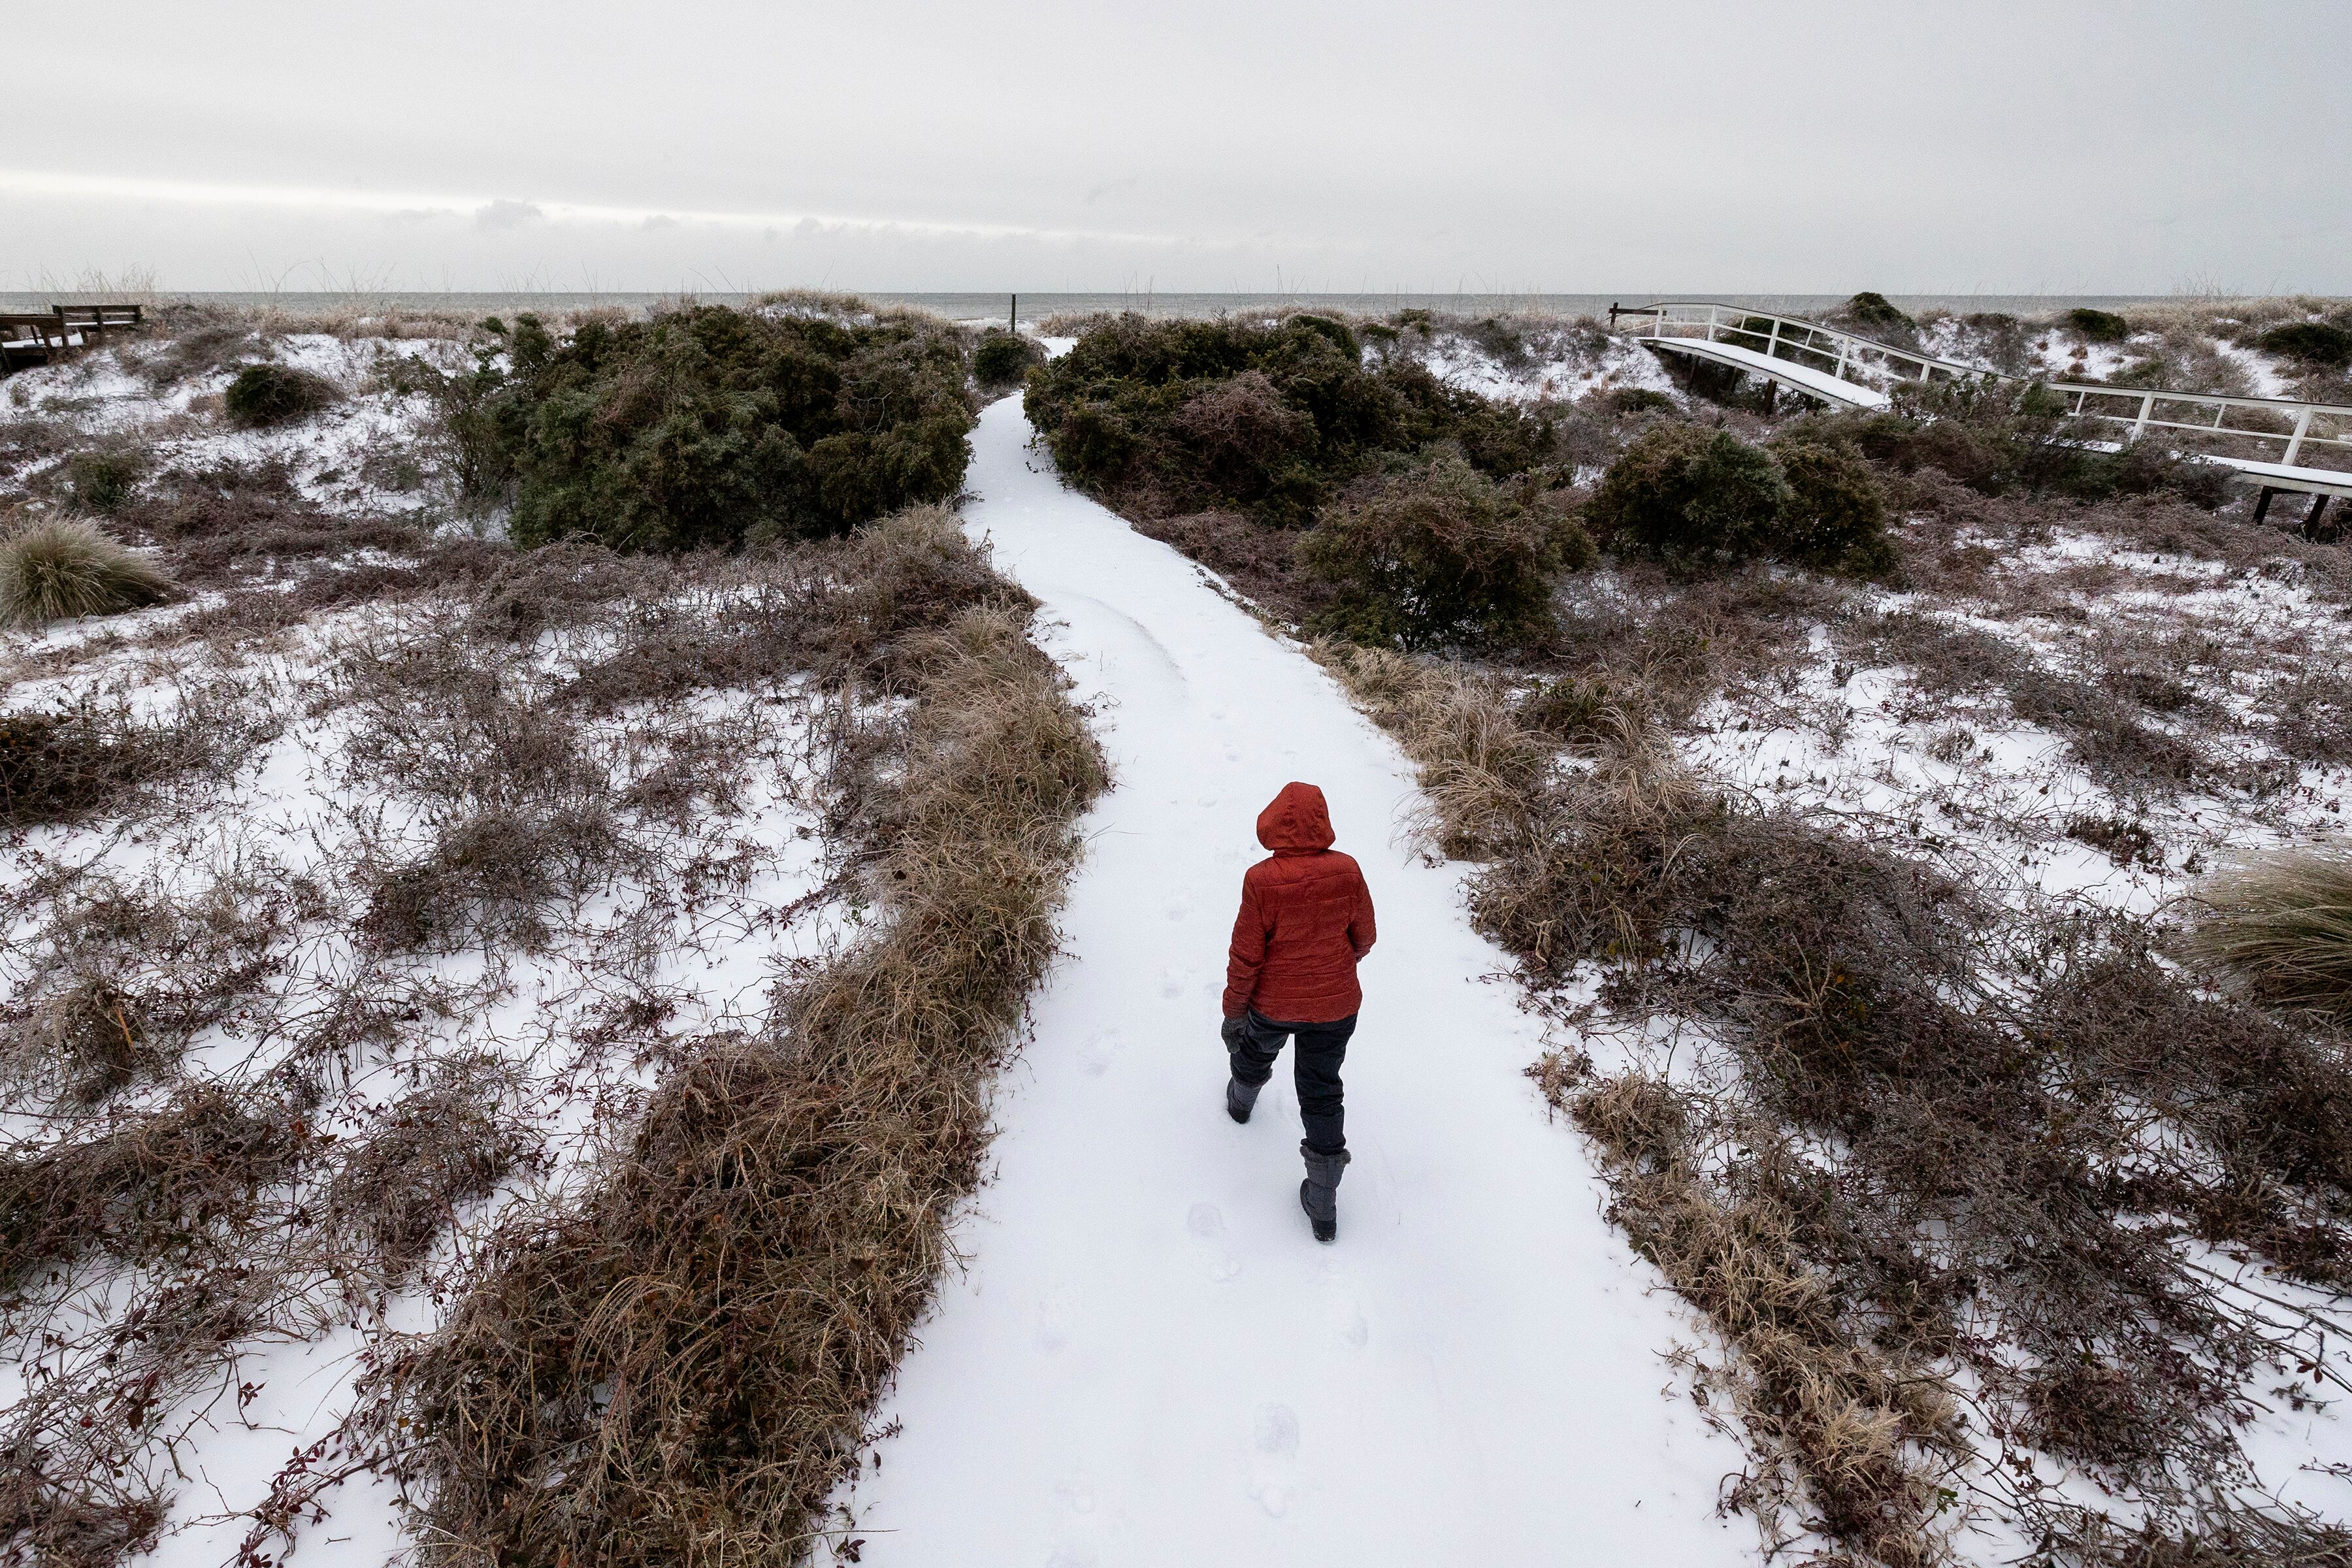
<point x="2286" y="443"/>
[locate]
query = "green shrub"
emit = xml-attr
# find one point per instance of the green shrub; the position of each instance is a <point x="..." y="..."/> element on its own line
<point x="2156" y="371"/>
<point x="1836" y="516"/>
<point x="1267" y="418"/>
<point x="103" y="479"/>
<point x="1003" y="358"/>
<point x="709" y="426"/>
<point x="1094" y="440"/>
<point x="2098" y="326"/>
<point x="52" y="570"/>
<point x="1440" y="555"/>
<point x="1872" y="311"/>
<point x="2314" y="342"/>
<point x="1999" y="437"/>
<point x="1691" y="498"/>
<point x="1634" y="400"/>
<point x="268" y="394"/>
<point x="1334" y="330"/>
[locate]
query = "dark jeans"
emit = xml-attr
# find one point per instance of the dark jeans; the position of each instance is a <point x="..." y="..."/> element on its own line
<point x="1321" y="1048"/>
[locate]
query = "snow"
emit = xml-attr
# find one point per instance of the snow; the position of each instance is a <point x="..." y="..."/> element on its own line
<point x="292" y="807"/>
<point x="1858" y="748"/>
<point x="2263" y="372"/>
<point x="328" y="455"/>
<point x="1562" y="376"/>
<point x="1148" y="1359"/>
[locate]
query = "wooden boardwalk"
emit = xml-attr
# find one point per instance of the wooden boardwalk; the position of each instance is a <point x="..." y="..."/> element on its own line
<point x="2270" y="440"/>
<point x="39" y="338"/>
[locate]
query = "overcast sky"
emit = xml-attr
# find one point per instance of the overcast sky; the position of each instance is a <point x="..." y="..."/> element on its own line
<point x="1492" y="145"/>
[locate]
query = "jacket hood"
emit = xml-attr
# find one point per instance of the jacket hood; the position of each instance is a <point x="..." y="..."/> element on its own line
<point x="1296" y="822"/>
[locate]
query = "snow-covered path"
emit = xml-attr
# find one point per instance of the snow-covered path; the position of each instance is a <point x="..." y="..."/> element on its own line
<point x="1150" y="1361"/>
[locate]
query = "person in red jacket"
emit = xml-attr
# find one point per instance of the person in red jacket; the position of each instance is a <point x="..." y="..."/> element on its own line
<point x="1305" y="923"/>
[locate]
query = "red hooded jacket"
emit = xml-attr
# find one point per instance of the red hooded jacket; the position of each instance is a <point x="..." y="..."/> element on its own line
<point x="1306" y="918"/>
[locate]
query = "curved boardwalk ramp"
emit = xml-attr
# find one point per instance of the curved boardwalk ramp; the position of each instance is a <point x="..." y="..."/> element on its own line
<point x="1148" y="1360"/>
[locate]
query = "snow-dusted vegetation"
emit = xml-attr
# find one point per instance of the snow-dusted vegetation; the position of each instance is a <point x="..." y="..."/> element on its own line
<point x="2259" y="348"/>
<point x="1870" y="890"/>
<point x="499" y="1022"/>
<point x="390" y="900"/>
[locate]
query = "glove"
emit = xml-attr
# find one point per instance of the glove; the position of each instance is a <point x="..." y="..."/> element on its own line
<point x="1232" y="1031"/>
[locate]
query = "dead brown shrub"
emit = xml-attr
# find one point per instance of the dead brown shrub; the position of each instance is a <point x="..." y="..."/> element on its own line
<point x="58" y="765"/>
<point x="97" y="756"/>
<point x="236" y="522"/>
<point x="1259" y="562"/>
<point x="444" y="1144"/>
<point x="121" y="977"/>
<point x="1240" y="427"/>
<point x="200" y="349"/>
<point x="144" y="1185"/>
<point x="1862" y="1435"/>
<point x="71" y="1529"/>
<point x="2219" y="1537"/>
<point x="840" y="612"/>
<point x="2106" y="728"/>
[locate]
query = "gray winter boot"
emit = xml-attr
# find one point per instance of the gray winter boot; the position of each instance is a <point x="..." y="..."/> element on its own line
<point x="1319" y="1195"/>
<point x="1239" y="1098"/>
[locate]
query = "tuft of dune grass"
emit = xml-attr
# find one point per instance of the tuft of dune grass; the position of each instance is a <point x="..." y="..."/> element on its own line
<point x="2282" y="926"/>
<point x="60" y="568"/>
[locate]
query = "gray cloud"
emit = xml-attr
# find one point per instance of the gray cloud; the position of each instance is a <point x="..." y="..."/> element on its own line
<point x="1570" y="144"/>
<point x="502" y="214"/>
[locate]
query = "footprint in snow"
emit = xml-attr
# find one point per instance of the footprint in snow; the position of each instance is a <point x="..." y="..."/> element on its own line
<point x="1207" y="1229"/>
<point x="1346" y="1316"/>
<point x="1274" y="1458"/>
<point x="1053" y="1323"/>
<point x="1171" y="983"/>
<point x="1096" y="1055"/>
<point x="1077" y="1492"/>
<point x="1178" y="907"/>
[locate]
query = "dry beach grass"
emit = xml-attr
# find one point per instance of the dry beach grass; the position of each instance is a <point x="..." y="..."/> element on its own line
<point x="258" y="1101"/>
